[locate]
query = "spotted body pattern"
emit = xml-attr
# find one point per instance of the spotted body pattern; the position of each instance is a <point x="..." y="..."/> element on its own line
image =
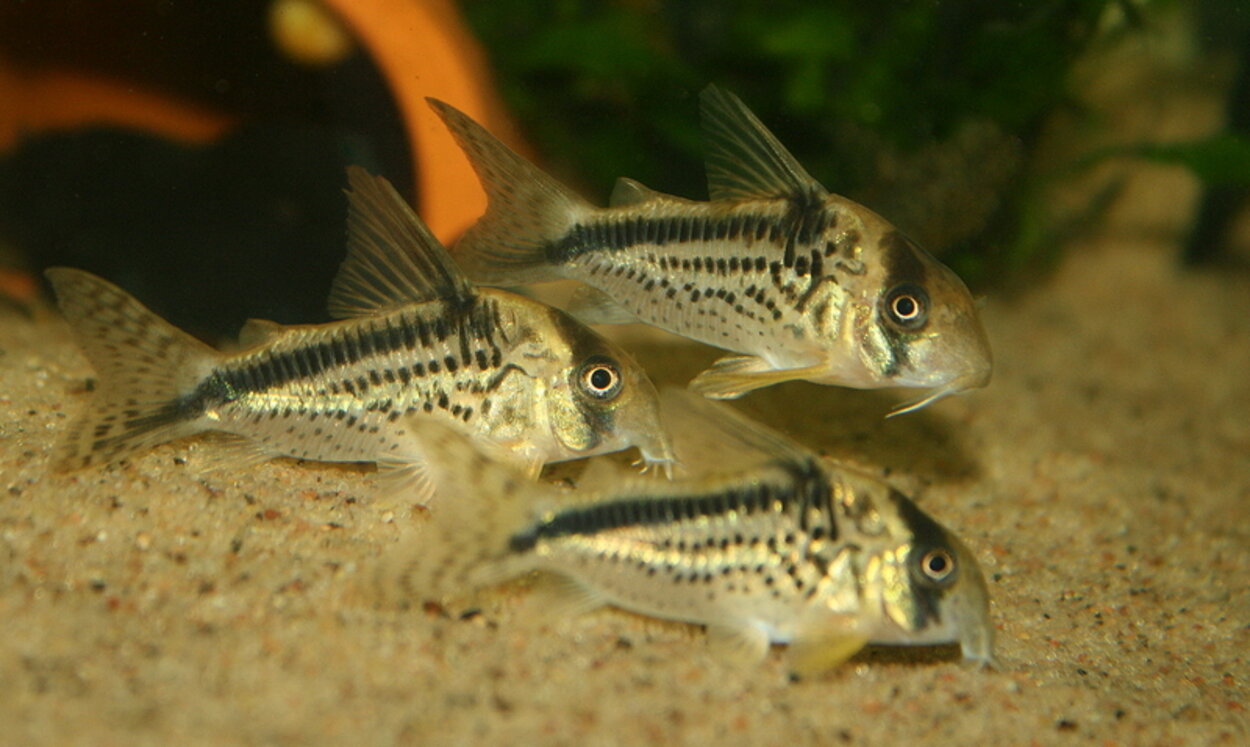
<point x="791" y="549"/>
<point x="421" y="341"/>
<point x="801" y="283"/>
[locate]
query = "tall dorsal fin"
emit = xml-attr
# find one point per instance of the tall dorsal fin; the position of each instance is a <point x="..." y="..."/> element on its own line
<point x="392" y="258"/>
<point x="744" y="159"/>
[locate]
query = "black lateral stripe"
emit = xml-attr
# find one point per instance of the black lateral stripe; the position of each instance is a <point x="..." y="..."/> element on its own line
<point x="351" y="345"/>
<point x="302" y="361"/>
<point x="365" y="339"/>
<point x="807" y="488"/>
<point x="423" y="331"/>
<point x="274" y="369"/>
<point x="615" y="233"/>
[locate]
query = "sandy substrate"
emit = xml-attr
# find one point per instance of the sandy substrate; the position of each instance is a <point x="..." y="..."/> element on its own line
<point x="1103" y="480"/>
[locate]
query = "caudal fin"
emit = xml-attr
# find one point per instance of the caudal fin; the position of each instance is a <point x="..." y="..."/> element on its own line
<point x="145" y="365"/>
<point x="527" y="212"/>
<point x="480" y="502"/>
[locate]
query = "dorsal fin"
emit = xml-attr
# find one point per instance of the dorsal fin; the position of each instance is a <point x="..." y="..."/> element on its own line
<point x="630" y="192"/>
<point x="709" y="435"/>
<point x="392" y="258"/>
<point x="744" y="159"/>
<point x="258" y="331"/>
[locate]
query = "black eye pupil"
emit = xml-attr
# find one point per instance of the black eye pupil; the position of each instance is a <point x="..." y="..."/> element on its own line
<point x="937" y="564"/>
<point x="906" y="306"/>
<point x="601" y="378"/>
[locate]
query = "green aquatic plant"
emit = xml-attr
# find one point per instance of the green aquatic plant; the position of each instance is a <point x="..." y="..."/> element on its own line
<point x="848" y="86"/>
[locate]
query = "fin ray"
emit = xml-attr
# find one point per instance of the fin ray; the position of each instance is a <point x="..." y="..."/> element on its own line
<point x="592" y="306"/>
<point x="559" y="597"/>
<point x="735" y="375"/>
<point x="231" y="451"/>
<point x="713" y="433"/>
<point x="144" y="364"/>
<point x="392" y="258"/>
<point x="483" y="499"/>
<point x="527" y="210"/>
<point x="816" y="657"/>
<point x="628" y="192"/>
<point x="742" y="645"/>
<point x="256" y="332"/>
<point x="744" y="159"/>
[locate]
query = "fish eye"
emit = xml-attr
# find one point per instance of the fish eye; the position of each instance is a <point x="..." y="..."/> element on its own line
<point x="600" y="378"/>
<point x="937" y="565"/>
<point x="907" y="306"/>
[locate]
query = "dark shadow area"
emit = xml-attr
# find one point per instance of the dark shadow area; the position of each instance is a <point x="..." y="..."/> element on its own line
<point x="837" y="422"/>
<point x="908" y="655"/>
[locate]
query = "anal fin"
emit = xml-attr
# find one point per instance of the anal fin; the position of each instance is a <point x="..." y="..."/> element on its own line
<point x="559" y="597"/>
<point x="229" y="451"/>
<point x="743" y="645"/>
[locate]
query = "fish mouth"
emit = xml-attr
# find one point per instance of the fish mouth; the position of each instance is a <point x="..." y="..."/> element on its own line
<point x="647" y="464"/>
<point x="664" y="461"/>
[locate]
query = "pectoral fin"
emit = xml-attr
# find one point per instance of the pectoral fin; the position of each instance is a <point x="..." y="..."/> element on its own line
<point x="735" y="375"/>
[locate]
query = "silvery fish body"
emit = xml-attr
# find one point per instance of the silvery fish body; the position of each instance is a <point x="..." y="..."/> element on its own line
<point x="801" y="283"/>
<point x="792" y="549"/>
<point x="419" y="340"/>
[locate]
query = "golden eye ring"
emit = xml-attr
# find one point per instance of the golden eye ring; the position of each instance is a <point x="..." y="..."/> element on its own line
<point x="907" y="306"/>
<point x="937" y="565"/>
<point x="600" y="378"/>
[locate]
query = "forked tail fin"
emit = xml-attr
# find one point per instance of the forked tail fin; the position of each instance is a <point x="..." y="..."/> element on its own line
<point x="480" y="503"/>
<point x="146" y="366"/>
<point x="528" y="211"/>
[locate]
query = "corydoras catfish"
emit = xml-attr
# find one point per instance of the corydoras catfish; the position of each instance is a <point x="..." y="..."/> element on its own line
<point x="781" y="547"/>
<point x="414" y="336"/>
<point x="800" y="283"/>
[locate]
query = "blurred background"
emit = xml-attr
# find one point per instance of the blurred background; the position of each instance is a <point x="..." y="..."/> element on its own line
<point x="194" y="152"/>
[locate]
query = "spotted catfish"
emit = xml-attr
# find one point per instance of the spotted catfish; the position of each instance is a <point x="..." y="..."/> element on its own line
<point x="801" y="283"/>
<point x="417" y="338"/>
<point x="783" y="547"/>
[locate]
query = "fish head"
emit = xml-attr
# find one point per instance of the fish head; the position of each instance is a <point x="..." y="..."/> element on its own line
<point x="932" y="590"/>
<point x="603" y="402"/>
<point x="921" y="327"/>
